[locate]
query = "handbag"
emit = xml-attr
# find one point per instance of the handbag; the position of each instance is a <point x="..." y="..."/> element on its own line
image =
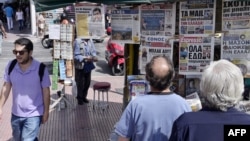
<point x="78" y="64"/>
<point x="88" y="67"/>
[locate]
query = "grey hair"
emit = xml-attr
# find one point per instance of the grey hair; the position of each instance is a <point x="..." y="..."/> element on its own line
<point x="222" y="85"/>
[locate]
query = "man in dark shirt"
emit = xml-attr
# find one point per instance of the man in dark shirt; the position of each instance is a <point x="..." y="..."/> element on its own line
<point x="221" y="88"/>
<point x="107" y="19"/>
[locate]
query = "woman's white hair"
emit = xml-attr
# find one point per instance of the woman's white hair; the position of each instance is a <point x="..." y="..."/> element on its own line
<point x="222" y="85"/>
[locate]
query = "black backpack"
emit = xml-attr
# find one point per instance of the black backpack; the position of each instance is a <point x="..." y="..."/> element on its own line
<point x="40" y="72"/>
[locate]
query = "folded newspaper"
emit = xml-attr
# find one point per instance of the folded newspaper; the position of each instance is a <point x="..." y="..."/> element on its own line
<point x="194" y="101"/>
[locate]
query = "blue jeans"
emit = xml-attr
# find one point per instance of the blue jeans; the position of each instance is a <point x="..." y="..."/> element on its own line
<point x="25" y="129"/>
<point x="20" y="24"/>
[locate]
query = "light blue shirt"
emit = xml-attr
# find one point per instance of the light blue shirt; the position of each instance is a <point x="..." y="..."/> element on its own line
<point x="150" y="117"/>
<point x="83" y="49"/>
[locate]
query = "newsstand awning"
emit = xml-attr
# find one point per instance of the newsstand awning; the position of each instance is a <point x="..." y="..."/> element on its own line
<point x="43" y="5"/>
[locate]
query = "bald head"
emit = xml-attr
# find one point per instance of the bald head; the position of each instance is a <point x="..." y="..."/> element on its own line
<point x="160" y="67"/>
<point x="160" y="72"/>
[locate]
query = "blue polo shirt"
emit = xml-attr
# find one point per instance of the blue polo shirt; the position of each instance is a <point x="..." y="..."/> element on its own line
<point x="206" y="125"/>
<point x="8" y="11"/>
<point x="27" y="89"/>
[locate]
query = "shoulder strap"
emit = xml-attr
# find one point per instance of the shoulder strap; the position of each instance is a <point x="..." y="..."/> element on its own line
<point x="41" y="71"/>
<point x="12" y="65"/>
<point x="41" y="68"/>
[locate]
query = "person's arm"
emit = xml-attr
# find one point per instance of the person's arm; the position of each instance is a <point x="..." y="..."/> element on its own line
<point x="2" y="28"/>
<point x="3" y="31"/>
<point x="46" y="101"/>
<point x="5" y="91"/>
<point x="93" y="51"/>
<point x="77" y="51"/>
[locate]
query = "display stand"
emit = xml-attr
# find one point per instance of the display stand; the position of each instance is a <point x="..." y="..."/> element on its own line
<point x="62" y="99"/>
<point x="62" y="64"/>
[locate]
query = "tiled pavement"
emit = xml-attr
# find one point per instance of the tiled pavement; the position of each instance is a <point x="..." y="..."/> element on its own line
<point x="15" y="34"/>
<point x="79" y="124"/>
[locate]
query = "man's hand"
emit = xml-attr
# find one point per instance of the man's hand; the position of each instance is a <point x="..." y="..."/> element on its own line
<point x="94" y="58"/>
<point x="45" y="117"/>
<point x="91" y="59"/>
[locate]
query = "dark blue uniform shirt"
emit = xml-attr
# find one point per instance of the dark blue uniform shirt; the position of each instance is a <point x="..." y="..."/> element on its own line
<point x="206" y="125"/>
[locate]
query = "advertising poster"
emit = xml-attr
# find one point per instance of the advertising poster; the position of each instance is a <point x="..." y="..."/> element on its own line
<point x="192" y="85"/>
<point x="90" y="21"/>
<point x="54" y="31"/>
<point x="235" y="15"/>
<point x="158" y="20"/>
<point x="195" y="54"/>
<point x="137" y="85"/>
<point x="197" y="17"/>
<point x="125" y="26"/>
<point x="83" y="30"/>
<point x="157" y="24"/>
<point x="51" y="17"/>
<point x="236" y="48"/>
<point x="152" y="46"/>
<point x="55" y="74"/>
<point x="235" y="45"/>
<point x="197" y="24"/>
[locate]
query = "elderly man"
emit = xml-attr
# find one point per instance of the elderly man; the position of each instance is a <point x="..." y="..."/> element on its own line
<point x="150" y="117"/>
<point x="221" y="88"/>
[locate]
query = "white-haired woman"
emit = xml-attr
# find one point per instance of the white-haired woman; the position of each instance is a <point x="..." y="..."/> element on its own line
<point x="221" y="90"/>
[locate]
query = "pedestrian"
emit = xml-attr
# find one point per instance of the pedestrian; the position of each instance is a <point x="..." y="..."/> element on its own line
<point x="27" y="18"/>
<point x="41" y="24"/>
<point x="64" y="19"/>
<point x="107" y="19"/>
<point x="221" y="89"/>
<point x="150" y="117"/>
<point x="9" y="12"/>
<point x="2" y="34"/>
<point x="20" y="18"/>
<point x="31" y="98"/>
<point x="85" y="54"/>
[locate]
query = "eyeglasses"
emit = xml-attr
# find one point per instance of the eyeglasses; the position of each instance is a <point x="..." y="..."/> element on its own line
<point x="19" y="52"/>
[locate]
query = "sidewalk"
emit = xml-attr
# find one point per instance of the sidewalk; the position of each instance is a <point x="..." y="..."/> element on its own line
<point x="82" y="123"/>
<point x="14" y="34"/>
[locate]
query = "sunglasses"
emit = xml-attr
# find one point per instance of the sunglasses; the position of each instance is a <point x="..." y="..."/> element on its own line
<point x="19" y="52"/>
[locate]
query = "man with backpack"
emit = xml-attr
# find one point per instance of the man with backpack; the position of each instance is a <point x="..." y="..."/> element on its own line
<point x="30" y="83"/>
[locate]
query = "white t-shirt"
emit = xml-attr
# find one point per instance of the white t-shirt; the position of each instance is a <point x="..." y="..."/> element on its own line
<point x="19" y="15"/>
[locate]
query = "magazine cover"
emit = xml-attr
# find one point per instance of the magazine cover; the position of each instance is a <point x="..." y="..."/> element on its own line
<point x="192" y="85"/>
<point x="137" y="88"/>
<point x="137" y="85"/>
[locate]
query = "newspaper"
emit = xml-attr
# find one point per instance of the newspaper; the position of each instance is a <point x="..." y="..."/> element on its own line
<point x="194" y="101"/>
<point x="138" y="88"/>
